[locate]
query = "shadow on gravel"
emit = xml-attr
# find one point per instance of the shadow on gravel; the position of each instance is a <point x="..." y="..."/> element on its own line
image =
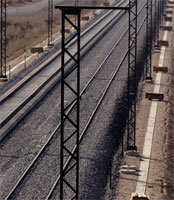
<point x="109" y="155"/>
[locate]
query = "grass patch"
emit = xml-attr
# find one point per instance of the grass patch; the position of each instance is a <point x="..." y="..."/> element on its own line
<point x="19" y="2"/>
<point x="24" y="31"/>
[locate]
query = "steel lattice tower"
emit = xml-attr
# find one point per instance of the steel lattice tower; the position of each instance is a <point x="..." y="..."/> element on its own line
<point x="70" y="126"/>
<point x="70" y="123"/>
<point x="132" y="73"/>
<point x="3" y="41"/>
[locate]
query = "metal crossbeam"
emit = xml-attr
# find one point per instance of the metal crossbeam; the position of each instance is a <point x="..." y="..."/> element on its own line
<point x="50" y="22"/>
<point x="72" y="8"/>
<point x="70" y="125"/>
<point x="3" y="41"/>
<point x="132" y="80"/>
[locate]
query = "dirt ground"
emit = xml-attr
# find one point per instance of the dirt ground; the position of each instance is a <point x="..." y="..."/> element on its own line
<point x="160" y="182"/>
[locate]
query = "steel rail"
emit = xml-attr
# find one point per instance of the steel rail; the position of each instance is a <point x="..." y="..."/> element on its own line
<point x="24" y="81"/>
<point x="58" y="126"/>
<point x="108" y="12"/>
<point x="43" y="66"/>
<point x="86" y="31"/>
<point x="95" y="110"/>
<point x="47" y="142"/>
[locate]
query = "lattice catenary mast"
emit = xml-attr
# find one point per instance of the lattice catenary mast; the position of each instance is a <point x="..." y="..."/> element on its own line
<point x="132" y="73"/>
<point x="70" y="124"/>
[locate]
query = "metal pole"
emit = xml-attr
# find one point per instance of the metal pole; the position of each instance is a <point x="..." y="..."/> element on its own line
<point x="149" y="40"/>
<point x="160" y="2"/>
<point x="110" y="173"/>
<point x="155" y="21"/>
<point x="3" y="75"/>
<point x="163" y="8"/>
<point x="9" y="72"/>
<point x="50" y="23"/>
<point x="62" y="108"/>
<point x="78" y="104"/>
<point x="161" y="22"/>
<point x="156" y="37"/>
<point x="158" y="22"/>
<point x="25" y="61"/>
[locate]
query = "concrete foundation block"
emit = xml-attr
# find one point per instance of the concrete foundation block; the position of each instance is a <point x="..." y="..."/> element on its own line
<point x="160" y="69"/>
<point x="136" y="196"/>
<point x="169" y="12"/>
<point x="131" y="153"/>
<point x="167" y="28"/>
<point x="154" y="96"/>
<point x="170" y="2"/>
<point x="106" y="4"/>
<point x="85" y="18"/>
<point x="168" y="18"/>
<point x="163" y="43"/>
<point x="133" y="167"/>
<point x="128" y="171"/>
<point x="169" y="6"/>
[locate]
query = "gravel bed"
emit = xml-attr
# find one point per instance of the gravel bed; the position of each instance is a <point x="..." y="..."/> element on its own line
<point x="98" y="146"/>
<point x="45" y="106"/>
<point x="27" y="133"/>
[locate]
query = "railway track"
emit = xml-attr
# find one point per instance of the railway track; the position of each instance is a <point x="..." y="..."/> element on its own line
<point x="21" y="98"/>
<point x="105" y="91"/>
<point x="94" y="110"/>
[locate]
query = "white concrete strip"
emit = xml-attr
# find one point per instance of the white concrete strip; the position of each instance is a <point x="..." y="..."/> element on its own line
<point x="161" y="56"/>
<point x="144" y="164"/>
<point x="16" y="66"/>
